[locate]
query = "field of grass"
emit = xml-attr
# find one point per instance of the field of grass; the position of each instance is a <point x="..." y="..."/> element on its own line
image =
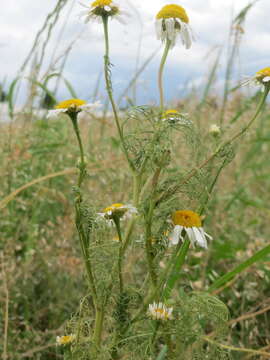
<point x="44" y="289"/>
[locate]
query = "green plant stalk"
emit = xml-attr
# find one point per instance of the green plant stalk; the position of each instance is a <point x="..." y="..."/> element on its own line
<point x="78" y="135"/>
<point x="240" y="268"/>
<point x="109" y="90"/>
<point x="160" y="73"/>
<point x="98" y="327"/>
<point x="257" y="113"/>
<point x="120" y="255"/>
<point x="137" y="179"/>
<point x="148" y="230"/>
<point x="148" y="245"/>
<point x="99" y="313"/>
<point x="174" y="276"/>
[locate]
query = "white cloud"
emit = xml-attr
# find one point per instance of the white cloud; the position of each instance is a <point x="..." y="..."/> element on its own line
<point x="210" y="20"/>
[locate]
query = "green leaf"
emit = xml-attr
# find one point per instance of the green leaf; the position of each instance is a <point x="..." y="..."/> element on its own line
<point x="240" y="268"/>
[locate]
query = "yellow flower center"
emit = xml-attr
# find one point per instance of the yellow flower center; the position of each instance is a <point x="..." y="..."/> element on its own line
<point x="186" y="218"/>
<point x="171" y="112"/>
<point x="100" y="3"/>
<point x="173" y="11"/>
<point x="65" y="339"/>
<point x="263" y="73"/>
<point x="72" y="103"/>
<point x="162" y="312"/>
<point x="113" y="207"/>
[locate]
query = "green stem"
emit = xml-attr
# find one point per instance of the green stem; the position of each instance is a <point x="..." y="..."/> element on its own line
<point x="78" y="135"/>
<point x="99" y="315"/>
<point x="120" y="255"/>
<point x="257" y="113"/>
<point x="174" y="276"/>
<point x="137" y="178"/>
<point x="110" y="92"/>
<point x="160" y="73"/>
<point x="98" y="327"/>
<point x="148" y="245"/>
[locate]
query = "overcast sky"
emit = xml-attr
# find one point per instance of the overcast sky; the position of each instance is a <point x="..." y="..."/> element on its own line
<point x="210" y="19"/>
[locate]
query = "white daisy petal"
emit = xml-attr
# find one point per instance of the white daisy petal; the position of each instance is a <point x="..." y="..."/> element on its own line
<point x="158" y="25"/>
<point x="176" y="235"/>
<point x="266" y="79"/>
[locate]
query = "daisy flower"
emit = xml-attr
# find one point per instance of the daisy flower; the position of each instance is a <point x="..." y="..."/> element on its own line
<point x="71" y="107"/>
<point x="214" y="130"/>
<point x="261" y="78"/>
<point x="175" y="117"/>
<point x="160" y="311"/>
<point x="119" y="211"/>
<point x="64" y="340"/>
<point x="172" y="22"/>
<point x="103" y="8"/>
<point x="190" y="222"/>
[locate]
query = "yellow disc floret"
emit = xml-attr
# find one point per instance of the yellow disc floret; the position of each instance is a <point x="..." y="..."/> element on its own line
<point x="171" y="112"/>
<point x="263" y="73"/>
<point x="101" y="3"/>
<point x="162" y="313"/>
<point x="173" y="11"/>
<point x="63" y="340"/>
<point x="113" y="207"/>
<point x="186" y="218"/>
<point x="70" y="104"/>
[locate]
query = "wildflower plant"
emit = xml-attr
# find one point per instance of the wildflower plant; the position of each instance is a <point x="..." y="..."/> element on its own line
<point x="142" y="309"/>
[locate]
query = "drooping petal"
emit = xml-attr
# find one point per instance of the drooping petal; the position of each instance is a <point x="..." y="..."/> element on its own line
<point x="176" y="234"/>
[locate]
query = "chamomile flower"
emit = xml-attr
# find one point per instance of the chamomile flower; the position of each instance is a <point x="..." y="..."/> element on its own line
<point x="72" y="106"/>
<point x="261" y="78"/>
<point x="100" y="9"/>
<point x="214" y="130"/>
<point x="158" y="311"/>
<point x="172" y="22"/>
<point x="191" y="223"/>
<point x="119" y="211"/>
<point x="64" y="340"/>
<point x="175" y="117"/>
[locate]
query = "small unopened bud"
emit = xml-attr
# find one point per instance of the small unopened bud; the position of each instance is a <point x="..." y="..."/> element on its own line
<point x="214" y="130"/>
<point x="79" y="161"/>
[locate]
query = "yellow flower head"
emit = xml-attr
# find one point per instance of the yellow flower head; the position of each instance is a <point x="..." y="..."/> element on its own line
<point x="113" y="208"/>
<point x="173" y="11"/>
<point x="160" y="312"/>
<point x="172" y="23"/>
<point x="101" y="3"/>
<point x="101" y="9"/>
<point x="263" y="74"/>
<point x="70" y="104"/>
<point x="171" y="112"/>
<point x="118" y="210"/>
<point x="64" y="340"/>
<point x="186" y="218"/>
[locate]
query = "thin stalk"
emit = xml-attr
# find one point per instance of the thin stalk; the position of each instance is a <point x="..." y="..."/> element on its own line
<point x="98" y="327"/>
<point x="160" y="73"/>
<point x="176" y="269"/>
<point x="82" y="162"/>
<point x="110" y="92"/>
<point x="148" y="245"/>
<point x="99" y="312"/>
<point x="120" y="255"/>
